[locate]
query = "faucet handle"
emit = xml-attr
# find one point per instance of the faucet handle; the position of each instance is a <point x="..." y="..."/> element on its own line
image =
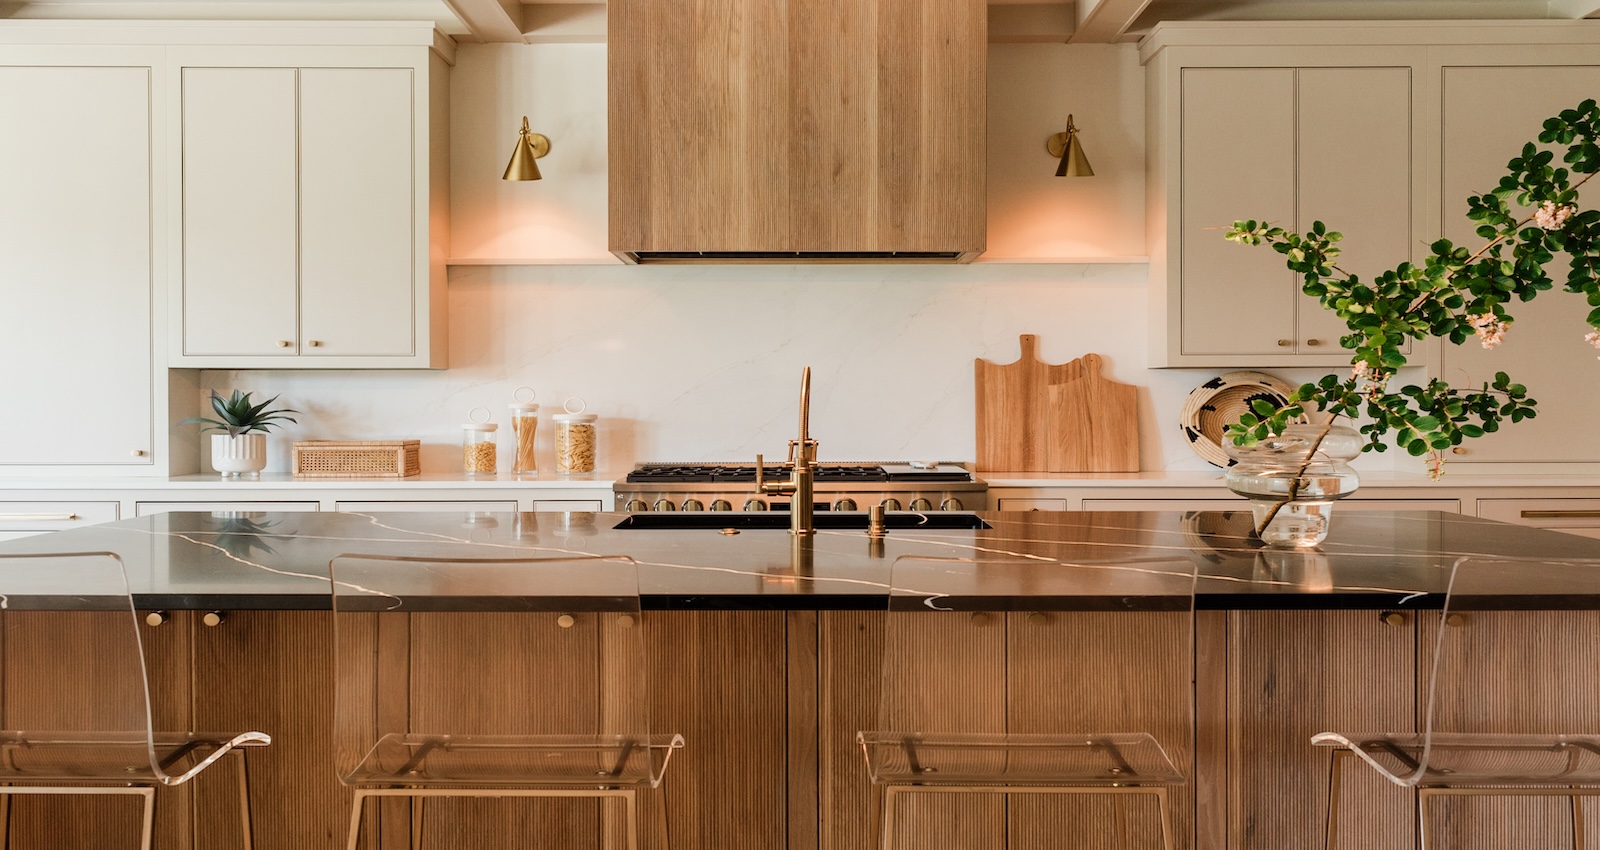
<point x="761" y="474"/>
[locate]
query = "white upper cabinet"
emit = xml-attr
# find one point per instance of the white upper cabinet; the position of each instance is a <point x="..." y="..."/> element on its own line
<point x="78" y="258"/>
<point x="307" y="183"/>
<point x="1237" y="136"/>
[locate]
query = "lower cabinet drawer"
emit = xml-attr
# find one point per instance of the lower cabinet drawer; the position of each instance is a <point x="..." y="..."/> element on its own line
<point x="148" y="508"/>
<point x="1031" y="504"/>
<point x="380" y="507"/>
<point x="1573" y="516"/>
<point x="54" y="516"/>
<point x="568" y="505"/>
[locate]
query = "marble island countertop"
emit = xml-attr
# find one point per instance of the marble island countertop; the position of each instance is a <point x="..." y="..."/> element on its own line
<point x="1371" y="559"/>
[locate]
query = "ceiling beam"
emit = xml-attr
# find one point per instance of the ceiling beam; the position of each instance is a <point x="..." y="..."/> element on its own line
<point x="1105" y="21"/>
<point x="490" y="21"/>
<point x="1575" y="9"/>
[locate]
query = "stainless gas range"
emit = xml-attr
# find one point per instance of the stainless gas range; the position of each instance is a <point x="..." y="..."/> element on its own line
<point x="851" y="486"/>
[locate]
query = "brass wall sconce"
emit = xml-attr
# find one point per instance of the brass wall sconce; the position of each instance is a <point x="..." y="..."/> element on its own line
<point x="1067" y="147"/>
<point x="524" y="163"/>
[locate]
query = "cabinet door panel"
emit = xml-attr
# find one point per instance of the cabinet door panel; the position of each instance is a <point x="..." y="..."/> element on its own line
<point x="357" y="208"/>
<point x="1355" y="176"/>
<point x="75" y="265"/>
<point x="1238" y="163"/>
<point x="240" y="264"/>
<point x="1545" y="346"/>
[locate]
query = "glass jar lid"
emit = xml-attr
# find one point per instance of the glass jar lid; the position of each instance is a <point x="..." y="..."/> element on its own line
<point x="574" y="408"/>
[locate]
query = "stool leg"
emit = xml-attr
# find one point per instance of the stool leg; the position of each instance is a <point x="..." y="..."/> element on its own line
<point x="1166" y="818"/>
<point x="1120" y="813"/>
<point x="355" y="820"/>
<point x="632" y="799"/>
<point x="887" y="821"/>
<point x="1577" y="821"/>
<point x="1422" y="819"/>
<point x="416" y="823"/>
<point x="244" y="802"/>
<point x="1331" y="824"/>
<point x="148" y="831"/>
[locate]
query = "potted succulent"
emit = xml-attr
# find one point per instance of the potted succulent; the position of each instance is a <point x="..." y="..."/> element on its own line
<point x="1458" y="293"/>
<point x="241" y="447"/>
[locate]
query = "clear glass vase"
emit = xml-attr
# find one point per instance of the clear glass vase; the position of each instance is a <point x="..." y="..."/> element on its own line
<point x="1291" y="499"/>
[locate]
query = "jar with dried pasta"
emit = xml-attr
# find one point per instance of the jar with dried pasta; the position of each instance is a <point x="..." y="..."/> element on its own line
<point x="479" y="456"/>
<point x="524" y="425"/>
<point x="575" y="439"/>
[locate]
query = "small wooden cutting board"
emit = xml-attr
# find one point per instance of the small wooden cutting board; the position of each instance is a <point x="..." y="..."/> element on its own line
<point x="1036" y="417"/>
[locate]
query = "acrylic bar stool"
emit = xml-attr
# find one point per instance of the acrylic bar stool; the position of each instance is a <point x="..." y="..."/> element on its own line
<point x="104" y="745"/>
<point x="1497" y="723"/>
<point x="527" y="679"/>
<point x="1047" y="682"/>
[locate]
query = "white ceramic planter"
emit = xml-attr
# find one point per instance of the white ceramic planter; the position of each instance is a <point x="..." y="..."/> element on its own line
<point x="242" y="455"/>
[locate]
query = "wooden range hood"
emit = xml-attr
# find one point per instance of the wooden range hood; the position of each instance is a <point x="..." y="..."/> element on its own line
<point x="806" y="131"/>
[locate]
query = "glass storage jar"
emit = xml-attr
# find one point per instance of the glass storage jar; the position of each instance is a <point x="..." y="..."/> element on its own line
<point x="478" y="452"/>
<point x="524" y="425"/>
<point x="575" y="439"/>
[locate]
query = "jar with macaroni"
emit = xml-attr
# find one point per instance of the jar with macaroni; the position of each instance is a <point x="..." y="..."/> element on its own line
<point x="478" y="451"/>
<point x="575" y="439"/>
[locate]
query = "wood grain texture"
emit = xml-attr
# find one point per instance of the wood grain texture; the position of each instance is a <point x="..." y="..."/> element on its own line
<point x="1293" y="674"/>
<point x="1513" y="672"/>
<point x="1089" y="672"/>
<point x="1092" y="424"/>
<point x="835" y="125"/>
<point x="1009" y="409"/>
<point x="804" y="745"/>
<point x="850" y="650"/>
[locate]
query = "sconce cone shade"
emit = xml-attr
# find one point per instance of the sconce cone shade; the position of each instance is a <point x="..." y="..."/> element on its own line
<point x="524" y="163"/>
<point x="1070" y="150"/>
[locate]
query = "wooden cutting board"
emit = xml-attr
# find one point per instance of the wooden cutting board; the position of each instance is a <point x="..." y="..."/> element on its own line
<point x="1036" y="417"/>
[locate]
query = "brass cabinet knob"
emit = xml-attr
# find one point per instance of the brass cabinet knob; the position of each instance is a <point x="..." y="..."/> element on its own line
<point x="213" y="618"/>
<point x="156" y="618"/>
<point x="626" y="620"/>
<point x="1393" y="618"/>
<point x="566" y="621"/>
<point x="1308" y="342"/>
<point x="283" y="343"/>
<point x="1459" y="450"/>
<point x="981" y="618"/>
<point x="1037" y="619"/>
<point x="1455" y="621"/>
<point x="1285" y="343"/>
<point x="137" y="453"/>
<point x="314" y="343"/>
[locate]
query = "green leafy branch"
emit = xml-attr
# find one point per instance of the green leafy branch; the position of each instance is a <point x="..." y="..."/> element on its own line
<point x="237" y="415"/>
<point x="1454" y="294"/>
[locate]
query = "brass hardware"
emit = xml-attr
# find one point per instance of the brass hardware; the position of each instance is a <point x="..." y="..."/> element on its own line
<point x="721" y="505"/>
<point x="155" y="618"/>
<point x="1313" y="342"/>
<point x="890" y="504"/>
<point x="845" y="505"/>
<point x="1067" y="147"/>
<point x="802" y="465"/>
<point x="1037" y="619"/>
<point x="283" y="343"/>
<point x="951" y="504"/>
<point x="755" y="504"/>
<point x="635" y="506"/>
<point x="1459" y="450"/>
<point x="524" y="164"/>
<point x="981" y="618"/>
<point x="213" y="618"/>
<point x="663" y="505"/>
<point x="625" y="620"/>
<point x="730" y="531"/>
<point x="38" y="517"/>
<point x="921" y="505"/>
<point x="315" y="343"/>
<point x="1393" y="618"/>
<point x="137" y="453"/>
<point x="693" y="505"/>
<point x="566" y="621"/>
<point x="875" y="526"/>
<point x="1561" y="514"/>
<point x="1455" y="621"/>
<point x="1285" y="343"/>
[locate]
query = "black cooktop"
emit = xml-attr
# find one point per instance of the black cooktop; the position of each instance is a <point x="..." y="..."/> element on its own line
<point x="717" y="473"/>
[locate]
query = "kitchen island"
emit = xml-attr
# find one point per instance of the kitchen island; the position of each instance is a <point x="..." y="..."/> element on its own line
<point x="765" y="657"/>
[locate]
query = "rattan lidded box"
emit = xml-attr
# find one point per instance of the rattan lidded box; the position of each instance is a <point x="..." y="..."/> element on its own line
<point x="357" y="458"/>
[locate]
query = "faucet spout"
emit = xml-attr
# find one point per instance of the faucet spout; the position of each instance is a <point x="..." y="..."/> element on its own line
<point x="802" y="469"/>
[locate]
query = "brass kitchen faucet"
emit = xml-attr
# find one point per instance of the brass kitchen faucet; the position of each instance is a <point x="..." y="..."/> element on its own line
<point x="802" y="465"/>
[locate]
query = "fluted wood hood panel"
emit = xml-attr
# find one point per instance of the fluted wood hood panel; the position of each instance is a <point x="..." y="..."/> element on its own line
<point x="812" y="130"/>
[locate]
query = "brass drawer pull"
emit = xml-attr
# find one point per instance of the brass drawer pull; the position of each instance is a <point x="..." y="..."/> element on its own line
<point x="39" y="517"/>
<point x="1561" y="514"/>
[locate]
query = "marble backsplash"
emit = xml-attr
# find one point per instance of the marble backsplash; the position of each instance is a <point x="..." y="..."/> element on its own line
<point x="703" y="362"/>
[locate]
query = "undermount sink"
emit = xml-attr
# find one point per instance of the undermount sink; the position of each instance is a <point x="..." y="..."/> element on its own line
<point x="856" y="520"/>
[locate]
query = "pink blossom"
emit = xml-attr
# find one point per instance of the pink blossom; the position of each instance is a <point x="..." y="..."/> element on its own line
<point x="1551" y="217"/>
<point x="1489" y="329"/>
<point x="1593" y="338"/>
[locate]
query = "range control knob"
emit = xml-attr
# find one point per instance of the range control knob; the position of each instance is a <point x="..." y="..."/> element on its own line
<point x="755" y="505"/>
<point x="636" y="506"/>
<point x="845" y="505"/>
<point x="921" y="505"/>
<point x="890" y="504"/>
<point x="693" y="505"/>
<point x="664" y="505"/>
<point x="952" y="504"/>
<point x="721" y="505"/>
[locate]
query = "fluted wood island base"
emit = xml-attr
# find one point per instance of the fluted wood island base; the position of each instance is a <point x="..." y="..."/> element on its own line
<point x="768" y="663"/>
